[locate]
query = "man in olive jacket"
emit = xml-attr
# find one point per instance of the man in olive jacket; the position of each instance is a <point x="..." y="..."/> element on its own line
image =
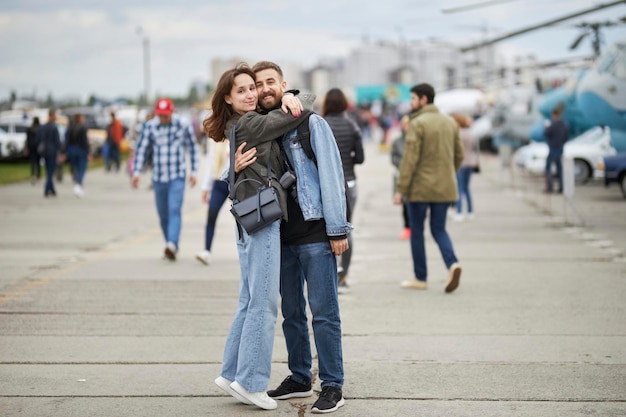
<point x="432" y="156"/>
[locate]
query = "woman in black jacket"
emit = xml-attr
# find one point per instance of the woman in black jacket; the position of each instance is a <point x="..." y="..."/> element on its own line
<point x="350" y="144"/>
<point x="77" y="151"/>
<point x="32" y="151"/>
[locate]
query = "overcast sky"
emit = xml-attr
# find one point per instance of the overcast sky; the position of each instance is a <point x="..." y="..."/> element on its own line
<point x="80" y="47"/>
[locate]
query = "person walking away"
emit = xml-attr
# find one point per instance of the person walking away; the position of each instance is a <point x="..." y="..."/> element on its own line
<point x="168" y="136"/>
<point x="556" y="133"/>
<point x="247" y="360"/>
<point x="115" y="135"/>
<point x="397" y="150"/>
<point x="350" y="143"/>
<point x="468" y="166"/>
<point x="77" y="151"/>
<point x="62" y="160"/>
<point x="314" y="233"/>
<point x="33" y="152"/>
<point x="214" y="192"/>
<point x="48" y="134"/>
<point x="427" y="181"/>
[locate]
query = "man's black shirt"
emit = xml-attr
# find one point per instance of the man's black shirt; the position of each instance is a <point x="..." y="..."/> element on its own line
<point x="297" y="231"/>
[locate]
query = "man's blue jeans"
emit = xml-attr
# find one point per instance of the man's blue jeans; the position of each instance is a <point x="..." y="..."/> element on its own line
<point x="554" y="157"/>
<point x="51" y="165"/>
<point x="169" y="203"/>
<point x="417" y="216"/>
<point x="250" y="341"/>
<point x="315" y="264"/>
<point x="113" y="155"/>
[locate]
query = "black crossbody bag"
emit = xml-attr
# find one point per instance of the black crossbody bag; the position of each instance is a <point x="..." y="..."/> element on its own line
<point x="259" y="210"/>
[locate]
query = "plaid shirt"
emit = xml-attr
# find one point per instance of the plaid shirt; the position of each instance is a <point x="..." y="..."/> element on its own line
<point x="168" y="143"/>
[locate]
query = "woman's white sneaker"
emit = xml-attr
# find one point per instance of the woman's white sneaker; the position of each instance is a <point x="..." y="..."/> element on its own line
<point x="260" y="399"/>
<point x="204" y="257"/>
<point x="224" y="384"/>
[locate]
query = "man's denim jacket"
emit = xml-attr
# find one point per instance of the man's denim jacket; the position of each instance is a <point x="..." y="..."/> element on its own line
<point x="321" y="188"/>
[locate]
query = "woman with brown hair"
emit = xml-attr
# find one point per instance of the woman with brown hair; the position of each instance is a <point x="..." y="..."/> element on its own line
<point x="350" y="144"/>
<point x="468" y="167"/>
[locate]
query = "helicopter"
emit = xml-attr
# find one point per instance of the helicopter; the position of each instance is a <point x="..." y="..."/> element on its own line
<point x="595" y="96"/>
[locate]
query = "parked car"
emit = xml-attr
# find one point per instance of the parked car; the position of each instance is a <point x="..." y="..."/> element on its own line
<point x="12" y="139"/>
<point x="614" y="168"/>
<point x="587" y="151"/>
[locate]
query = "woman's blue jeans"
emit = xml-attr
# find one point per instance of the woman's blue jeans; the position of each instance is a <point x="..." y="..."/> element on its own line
<point x="219" y="193"/>
<point x="250" y="341"/>
<point x="77" y="157"/>
<point x="463" y="180"/>
<point x="169" y="202"/>
<point x="315" y="264"/>
<point x="417" y="216"/>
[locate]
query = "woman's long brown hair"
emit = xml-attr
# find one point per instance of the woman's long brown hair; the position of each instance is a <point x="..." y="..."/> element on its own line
<point x="215" y="124"/>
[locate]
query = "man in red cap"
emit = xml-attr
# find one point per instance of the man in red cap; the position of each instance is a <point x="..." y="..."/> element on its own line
<point x="168" y="136"/>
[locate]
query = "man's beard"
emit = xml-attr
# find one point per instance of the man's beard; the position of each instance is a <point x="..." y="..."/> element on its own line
<point x="271" y="106"/>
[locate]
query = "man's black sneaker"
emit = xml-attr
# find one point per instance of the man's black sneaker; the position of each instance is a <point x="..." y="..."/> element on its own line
<point x="290" y="389"/>
<point x="330" y="400"/>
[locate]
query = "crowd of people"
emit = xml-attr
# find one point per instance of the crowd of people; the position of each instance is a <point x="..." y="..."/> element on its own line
<point x="261" y="133"/>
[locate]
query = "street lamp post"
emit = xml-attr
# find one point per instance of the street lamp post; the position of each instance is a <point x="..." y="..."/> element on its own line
<point x="146" y="64"/>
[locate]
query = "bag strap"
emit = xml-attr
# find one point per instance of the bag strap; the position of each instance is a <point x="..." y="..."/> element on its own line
<point x="231" y="170"/>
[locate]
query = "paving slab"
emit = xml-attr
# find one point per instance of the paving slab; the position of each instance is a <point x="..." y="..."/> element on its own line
<point x="94" y="322"/>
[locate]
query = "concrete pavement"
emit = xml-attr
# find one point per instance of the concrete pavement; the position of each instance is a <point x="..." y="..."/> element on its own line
<point x="95" y="323"/>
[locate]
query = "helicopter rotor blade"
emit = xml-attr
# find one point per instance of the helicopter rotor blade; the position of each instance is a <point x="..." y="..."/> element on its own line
<point x="541" y="25"/>
<point x="578" y="40"/>
<point x="474" y="6"/>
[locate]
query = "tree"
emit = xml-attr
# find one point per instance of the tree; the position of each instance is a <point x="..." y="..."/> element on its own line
<point x="192" y="97"/>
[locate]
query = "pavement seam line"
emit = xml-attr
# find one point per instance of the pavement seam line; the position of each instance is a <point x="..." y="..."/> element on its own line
<point x="47" y="279"/>
<point x="116" y="249"/>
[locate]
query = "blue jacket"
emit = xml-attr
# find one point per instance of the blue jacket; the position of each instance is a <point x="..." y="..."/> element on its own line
<point x="49" y="135"/>
<point x="556" y="134"/>
<point x="321" y="188"/>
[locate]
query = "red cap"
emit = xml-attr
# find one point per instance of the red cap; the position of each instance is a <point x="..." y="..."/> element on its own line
<point x="164" y="106"/>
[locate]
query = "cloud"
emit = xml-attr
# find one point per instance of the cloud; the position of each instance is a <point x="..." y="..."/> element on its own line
<point x="80" y="47"/>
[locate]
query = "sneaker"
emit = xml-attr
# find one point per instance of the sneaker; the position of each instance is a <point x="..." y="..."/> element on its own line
<point x="170" y="251"/>
<point x="458" y="217"/>
<point x="342" y="285"/>
<point x="342" y="277"/>
<point x="415" y="284"/>
<point x="330" y="400"/>
<point x="204" y="257"/>
<point x="224" y="384"/>
<point x="454" y="276"/>
<point x="260" y="399"/>
<point x="406" y="233"/>
<point x="290" y="389"/>
<point x="78" y="191"/>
